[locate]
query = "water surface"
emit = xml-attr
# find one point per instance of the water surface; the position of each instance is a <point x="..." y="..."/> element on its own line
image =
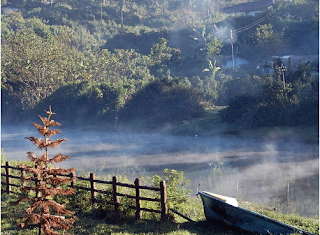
<point x="282" y="174"/>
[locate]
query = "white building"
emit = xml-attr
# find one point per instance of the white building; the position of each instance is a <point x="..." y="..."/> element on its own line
<point x="249" y="8"/>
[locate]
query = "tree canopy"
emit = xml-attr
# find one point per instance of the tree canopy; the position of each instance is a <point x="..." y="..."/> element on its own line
<point x="146" y="59"/>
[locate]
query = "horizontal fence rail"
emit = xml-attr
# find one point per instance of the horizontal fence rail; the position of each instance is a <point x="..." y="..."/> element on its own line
<point x="116" y="202"/>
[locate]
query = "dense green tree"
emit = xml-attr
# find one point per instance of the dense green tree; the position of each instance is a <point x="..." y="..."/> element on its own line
<point x="37" y="59"/>
<point x="123" y="68"/>
<point x="268" y="40"/>
<point x="33" y="66"/>
<point x="163" y="58"/>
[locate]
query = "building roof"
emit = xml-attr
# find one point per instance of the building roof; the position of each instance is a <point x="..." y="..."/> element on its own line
<point x="249" y="6"/>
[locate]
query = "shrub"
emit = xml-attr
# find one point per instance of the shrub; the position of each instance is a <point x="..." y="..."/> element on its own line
<point x="83" y="102"/>
<point x="176" y="184"/>
<point x="164" y="100"/>
<point x="238" y="106"/>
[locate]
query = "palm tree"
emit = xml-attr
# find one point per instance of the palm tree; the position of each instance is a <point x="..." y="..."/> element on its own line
<point x="213" y="69"/>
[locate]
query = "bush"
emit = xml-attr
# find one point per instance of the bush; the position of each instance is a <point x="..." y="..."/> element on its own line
<point x="238" y="106"/>
<point x="164" y="100"/>
<point x="177" y="193"/>
<point x="297" y="105"/>
<point x="83" y="102"/>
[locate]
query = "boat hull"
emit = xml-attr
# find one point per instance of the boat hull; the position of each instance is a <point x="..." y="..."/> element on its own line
<point x="218" y="209"/>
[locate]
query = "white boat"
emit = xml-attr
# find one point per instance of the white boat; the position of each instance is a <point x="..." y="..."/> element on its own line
<point x="226" y="210"/>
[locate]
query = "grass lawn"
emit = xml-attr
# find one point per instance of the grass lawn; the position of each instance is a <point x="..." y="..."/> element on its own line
<point x="95" y="222"/>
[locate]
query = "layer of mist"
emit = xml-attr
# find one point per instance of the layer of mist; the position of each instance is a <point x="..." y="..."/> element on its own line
<point x="282" y="174"/>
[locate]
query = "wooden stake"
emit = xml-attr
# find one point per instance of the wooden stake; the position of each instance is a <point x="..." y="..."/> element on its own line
<point x="137" y="184"/>
<point x="93" y="187"/>
<point x="8" y="179"/>
<point x="23" y="174"/>
<point x="164" y="208"/>
<point x="73" y="176"/>
<point x="115" y="197"/>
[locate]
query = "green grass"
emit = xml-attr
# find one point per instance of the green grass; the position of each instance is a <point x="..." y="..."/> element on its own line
<point x="95" y="222"/>
<point x="98" y="219"/>
<point x="310" y="224"/>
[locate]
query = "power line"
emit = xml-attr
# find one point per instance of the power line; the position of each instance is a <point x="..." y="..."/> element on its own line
<point x="258" y="21"/>
<point x="248" y="27"/>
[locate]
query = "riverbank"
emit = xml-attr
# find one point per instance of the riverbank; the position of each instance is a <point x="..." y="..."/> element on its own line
<point x="210" y="125"/>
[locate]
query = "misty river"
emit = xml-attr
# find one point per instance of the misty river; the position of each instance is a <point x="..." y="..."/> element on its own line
<point x="283" y="174"/>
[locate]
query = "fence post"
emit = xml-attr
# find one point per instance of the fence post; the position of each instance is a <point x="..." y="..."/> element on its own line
<point x="115" y="197"/>
<point x="137" y="184"/>
<point x="164" y="208"/>
<point x="93" y="187"/>
<point x="72" y="176"/>
<point x="8" y="179"/>
<point x="23" y="175"/>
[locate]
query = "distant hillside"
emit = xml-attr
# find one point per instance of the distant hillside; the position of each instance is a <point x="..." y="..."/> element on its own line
<point x="101" y="55"/>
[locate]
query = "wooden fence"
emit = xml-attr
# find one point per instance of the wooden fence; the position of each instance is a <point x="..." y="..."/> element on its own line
<point x="115" y="192"/>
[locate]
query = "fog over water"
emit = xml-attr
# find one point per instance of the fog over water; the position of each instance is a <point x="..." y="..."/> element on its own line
<point x="284" y="174"/>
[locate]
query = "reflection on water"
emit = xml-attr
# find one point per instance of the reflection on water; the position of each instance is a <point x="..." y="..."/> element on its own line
<point x="284" y="174"/>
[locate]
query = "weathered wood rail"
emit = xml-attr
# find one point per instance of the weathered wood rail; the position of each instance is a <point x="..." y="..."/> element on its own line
<point x="116" y="195"/>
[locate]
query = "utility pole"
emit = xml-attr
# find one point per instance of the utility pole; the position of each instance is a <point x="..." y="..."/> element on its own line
<point x="101" y="10"/>
<point x="282" y="69"/>
<point x="232" y="41"/>
<point x="121" y="4"/>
